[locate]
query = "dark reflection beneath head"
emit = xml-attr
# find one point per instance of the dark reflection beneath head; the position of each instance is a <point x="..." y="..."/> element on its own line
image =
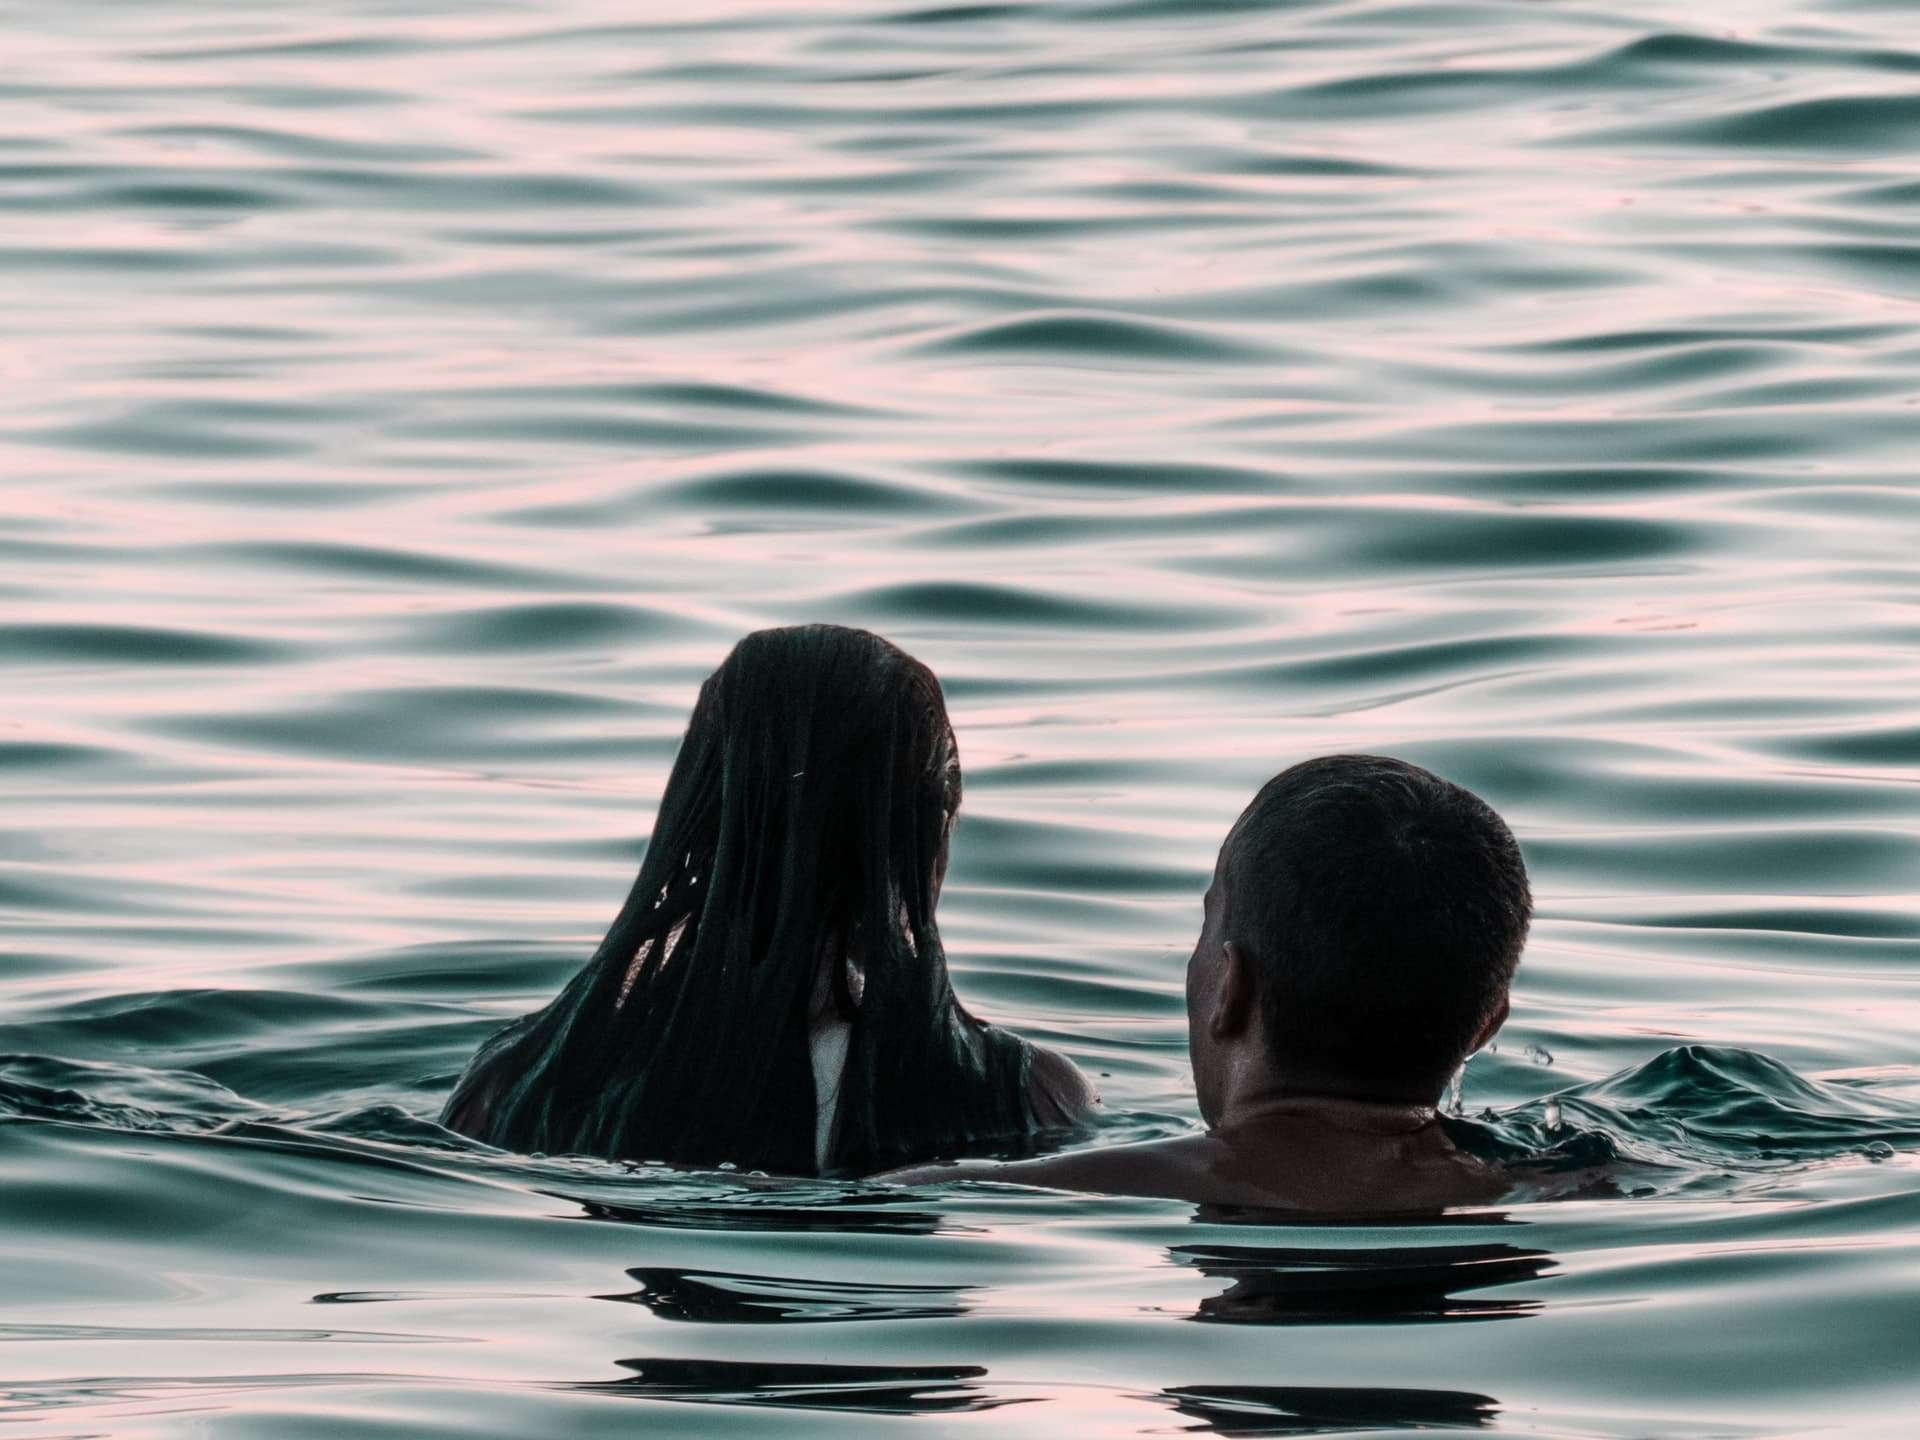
<point x="712" y="1297"/>
<point x="1317" y="1409"/>
<point x="855" y="1215"/>
<point x="1348" y="1219"/>
<point x="853" y="1389"/>
<point x="1370" y="1286"/>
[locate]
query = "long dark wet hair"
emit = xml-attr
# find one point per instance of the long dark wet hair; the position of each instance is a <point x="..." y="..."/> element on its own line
<point x="805" y="821"/>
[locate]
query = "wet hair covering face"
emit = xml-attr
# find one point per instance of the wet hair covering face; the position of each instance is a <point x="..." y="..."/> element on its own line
<point x="803" y="822"/>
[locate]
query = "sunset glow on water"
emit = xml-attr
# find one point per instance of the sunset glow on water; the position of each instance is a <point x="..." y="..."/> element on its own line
<point x="404" y="408"/>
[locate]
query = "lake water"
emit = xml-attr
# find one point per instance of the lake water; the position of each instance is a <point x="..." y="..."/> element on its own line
<point x="405" y="406"/>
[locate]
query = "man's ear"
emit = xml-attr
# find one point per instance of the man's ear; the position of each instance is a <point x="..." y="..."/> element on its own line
<point x="1492" y="1027"/>
<point x="1233" y="1000"/>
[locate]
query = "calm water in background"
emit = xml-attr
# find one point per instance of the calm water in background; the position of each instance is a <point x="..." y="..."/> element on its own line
<point x="406" y="405"/>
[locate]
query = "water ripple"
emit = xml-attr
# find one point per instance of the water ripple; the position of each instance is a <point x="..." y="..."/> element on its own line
<point x="405" y="407"/>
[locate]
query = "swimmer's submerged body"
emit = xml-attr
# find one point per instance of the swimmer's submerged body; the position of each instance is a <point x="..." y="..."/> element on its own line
<point x="1319" y="1155"/>
<point x="774" y="994"/>
<point x="1360" y="939"/>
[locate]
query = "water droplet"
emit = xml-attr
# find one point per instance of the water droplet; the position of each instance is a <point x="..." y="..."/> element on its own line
<point x="1877" y="1150"/>
<point x="1538" y="1054"/>
<point x="1552" y="1115"/>
<point x="728" y="1165"/>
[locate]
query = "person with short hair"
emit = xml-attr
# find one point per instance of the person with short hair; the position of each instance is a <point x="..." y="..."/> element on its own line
<point x="1360" y="939"/>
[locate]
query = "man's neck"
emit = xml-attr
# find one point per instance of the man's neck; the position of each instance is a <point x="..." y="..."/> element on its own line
<point x="1252" y="1110"/>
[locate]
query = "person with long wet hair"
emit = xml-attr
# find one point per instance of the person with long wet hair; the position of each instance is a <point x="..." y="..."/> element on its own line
<point x="773" y="994"/>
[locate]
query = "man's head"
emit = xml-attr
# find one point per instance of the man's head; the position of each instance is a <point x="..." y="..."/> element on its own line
<point x="1361" y="933"/>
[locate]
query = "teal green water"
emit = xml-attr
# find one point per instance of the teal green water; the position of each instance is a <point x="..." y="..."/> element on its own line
<point x="405" y="406"/>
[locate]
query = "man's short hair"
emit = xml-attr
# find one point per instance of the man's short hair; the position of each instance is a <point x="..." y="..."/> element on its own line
<point x="1384" y="910"/>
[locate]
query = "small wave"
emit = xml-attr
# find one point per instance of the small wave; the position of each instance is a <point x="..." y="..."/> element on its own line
<point x="553" y="626"/>
<point x="1095" y="337"/>
<point x="807" y="492"/>
<point x="33" y="757"/>
<point x="1495" y="541"/>
<point x="190" y="193"/>
<point x="1399" y="665"/>
<point x="1897" y="745"/>
<point x="1868" y="124"/>
<point x="592" y="429"/>
<point x="207" y="428"/>
<point x="184" y="1020"/>
<point x="1697" y="1112"/>
<point x="955" y="14"/>
<point x="433" y="724"/>
<point x="339" y="559"/>
<point x="305" y="144"/>
<point x="1151" y="477"/>
<point x="972" y="604"/>
<point x="98" y="644"/>
<point x="117" y="1096"/>
<point x="1069" y="859"/>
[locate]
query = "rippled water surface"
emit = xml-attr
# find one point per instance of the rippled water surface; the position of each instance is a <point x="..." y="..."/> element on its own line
<point x="405" y="407"/>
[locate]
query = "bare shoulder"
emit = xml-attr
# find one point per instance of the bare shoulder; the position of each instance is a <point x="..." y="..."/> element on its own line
<point x="1156" y="1168"/>
<point x="1059" y="1092"/>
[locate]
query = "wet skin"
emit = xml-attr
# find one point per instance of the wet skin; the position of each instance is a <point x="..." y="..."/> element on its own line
<point x="1274" y="1139"/>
